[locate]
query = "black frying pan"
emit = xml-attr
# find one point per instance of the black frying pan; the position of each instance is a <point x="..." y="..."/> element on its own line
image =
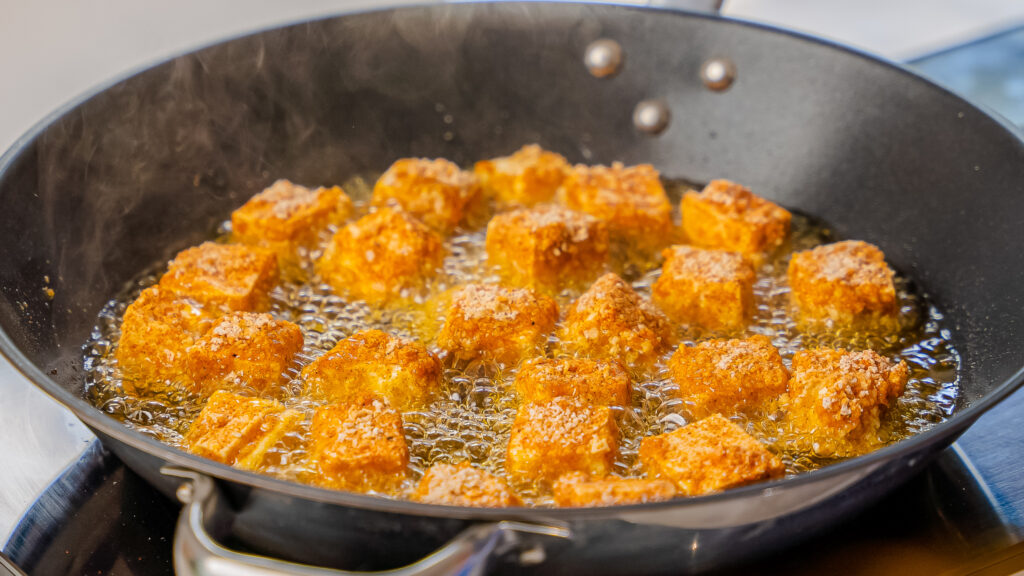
<point x="150" y="165"/>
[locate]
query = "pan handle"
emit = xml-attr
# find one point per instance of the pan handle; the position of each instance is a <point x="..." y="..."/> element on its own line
<point x="196" y="553"/>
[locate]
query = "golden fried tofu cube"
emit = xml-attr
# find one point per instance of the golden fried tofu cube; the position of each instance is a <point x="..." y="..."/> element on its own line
<point x="547" y="247"/>
<point x="358" y="446"/>
<point x="594" y="382"/>
<point x="529" y="176"/>
<point x="630" y="199"/>
<point x="401" y="371"/>
<point x="728" y="216"/>
<point x="289" y="213"/>
<point x="437" y="191"/>
<point x="707" y="456"/>
<point x="837" y="398"/>
<point x="550" y="439"/>
<point x="157" y="330"/>
<point x="579" y="491"/>
<point x="384" y="256"/>
<point x="847" y="283"/>
<point x="497" y="323"/>
<point x="464" y="485"/>
<point x="610" y="320"/>
<point x="239" y="430"/>
<point x="242" y="351"/>
<point x="226" y="277"/>
<point x="728" y="376"/>
<point x="713" y="289"/>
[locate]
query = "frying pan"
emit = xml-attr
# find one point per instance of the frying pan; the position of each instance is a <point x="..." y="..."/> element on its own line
<point x="127" y="176"/>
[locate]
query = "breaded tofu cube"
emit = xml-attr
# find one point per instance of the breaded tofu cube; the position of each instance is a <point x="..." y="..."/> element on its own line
<point x="594" y="382"/>
<point x="289" y="213"/>
<point x="547" y="247"/>
<point x="239" y="430"/>
<point x="243" y="351"/>
<point x="401" y="371"/>
<point x="707" y="456"/>
<point x="610" y="320"/>
<point x="713" y="289"/>
<point x="550" y="439"/>
<point x="497" y="323"/>
<point x="386" y="255"/>
<point x="630" y="199"/>
<point x="157" y="330"/>
<point x="464" y="485"/>
<point x="529" y="176"/>
<point x="358" y="446"/>
<point x="728" y="376"/>
<point x="837" y="398"/>
<point x="728" y="216"/>
<point x="437" y="191"/>
<point x="579" y="491"/>
<point x="226" y="277"/>
<point x="847" y="283"/>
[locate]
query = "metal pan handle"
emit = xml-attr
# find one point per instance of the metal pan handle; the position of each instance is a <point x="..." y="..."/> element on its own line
<point x="196" y="553"/>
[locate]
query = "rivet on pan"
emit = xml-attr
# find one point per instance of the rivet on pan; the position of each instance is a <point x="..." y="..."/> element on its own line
<point x="651" y="116"/>
<point x="718" y="74"/>
<point x="603" y="57"/>
<point x="184" y="493"/>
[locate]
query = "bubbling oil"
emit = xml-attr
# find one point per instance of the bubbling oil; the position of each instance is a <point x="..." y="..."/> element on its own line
<point x="473" y="414"/>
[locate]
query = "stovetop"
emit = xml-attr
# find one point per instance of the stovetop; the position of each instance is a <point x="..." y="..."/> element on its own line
<point x="964" y="514"/>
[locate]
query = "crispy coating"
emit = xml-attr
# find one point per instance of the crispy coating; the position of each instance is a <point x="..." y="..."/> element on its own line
<point x="713" y="289"/>
<point x="547" y="247"/>
<point x="579" y="491"/>
<point x="550" y="439"/>
<point x="594" y="382"/>
<point x="384" y="256"/>
<point x="498" y="323"/>
<point x="707" y="456"/>
<point x="728" y="216"/>
<point x="435" y="191"/>
<point x="225" y="277"/>
<point x="157" y="330"/>
<point x="529" y="176"/>
<point x="728" y="376"/>
<point x="837" y="398"/>
<point x="847" y="283"/>
<point x="630" y="199"/>
<point x="358" y="446"/>
<point x="464" y="485"/>
<point x="242" y="351"/>
<point x="610" y="320"/>
<point x="401" y="371"/>
<point x="238" y="430"/>
<point x="288" y="213"/>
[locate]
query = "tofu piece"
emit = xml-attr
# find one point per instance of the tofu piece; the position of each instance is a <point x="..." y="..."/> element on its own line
<point x="464" y="485"/>
<point x="550" y="439"/>
<point x="239" y="430"/>
<point x="630" y="199"/>
<point x="579" y="491"/>
<point x="358" y="446"/>
<point x="594" y="382"/>
<point x="728" y="376"/>
<point x="497" y="323"/>
<point x="547" y="247"/>
<point x="529" y="176"/>
<point x="845" y="284"/>
<point x="728" y="216"/>
<point x="157" y="330"/>
<point x="384" y="256"/>
<point x="401" y="371"/>
<point x="708" y="456"/>
<point x="435" y="191"/>
<point x="243" y="351"/>
<point x="224" y="277"/>
<point x="290" y="214"/>
<point x="610" y="320"/>
<point x="713" y="289"/>
<point x="837" y="398"/>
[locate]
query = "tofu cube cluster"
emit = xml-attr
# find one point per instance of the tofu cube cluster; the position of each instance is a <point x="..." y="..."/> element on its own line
<point x="728" y="216"/>
<point x="464" y="485"/>
<point x="437" y="192"/>
<point x="239" y="430"/>
<point x="594" y="382"/>
<point x="531" y="175"/>
<point x="712" y="289"/>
